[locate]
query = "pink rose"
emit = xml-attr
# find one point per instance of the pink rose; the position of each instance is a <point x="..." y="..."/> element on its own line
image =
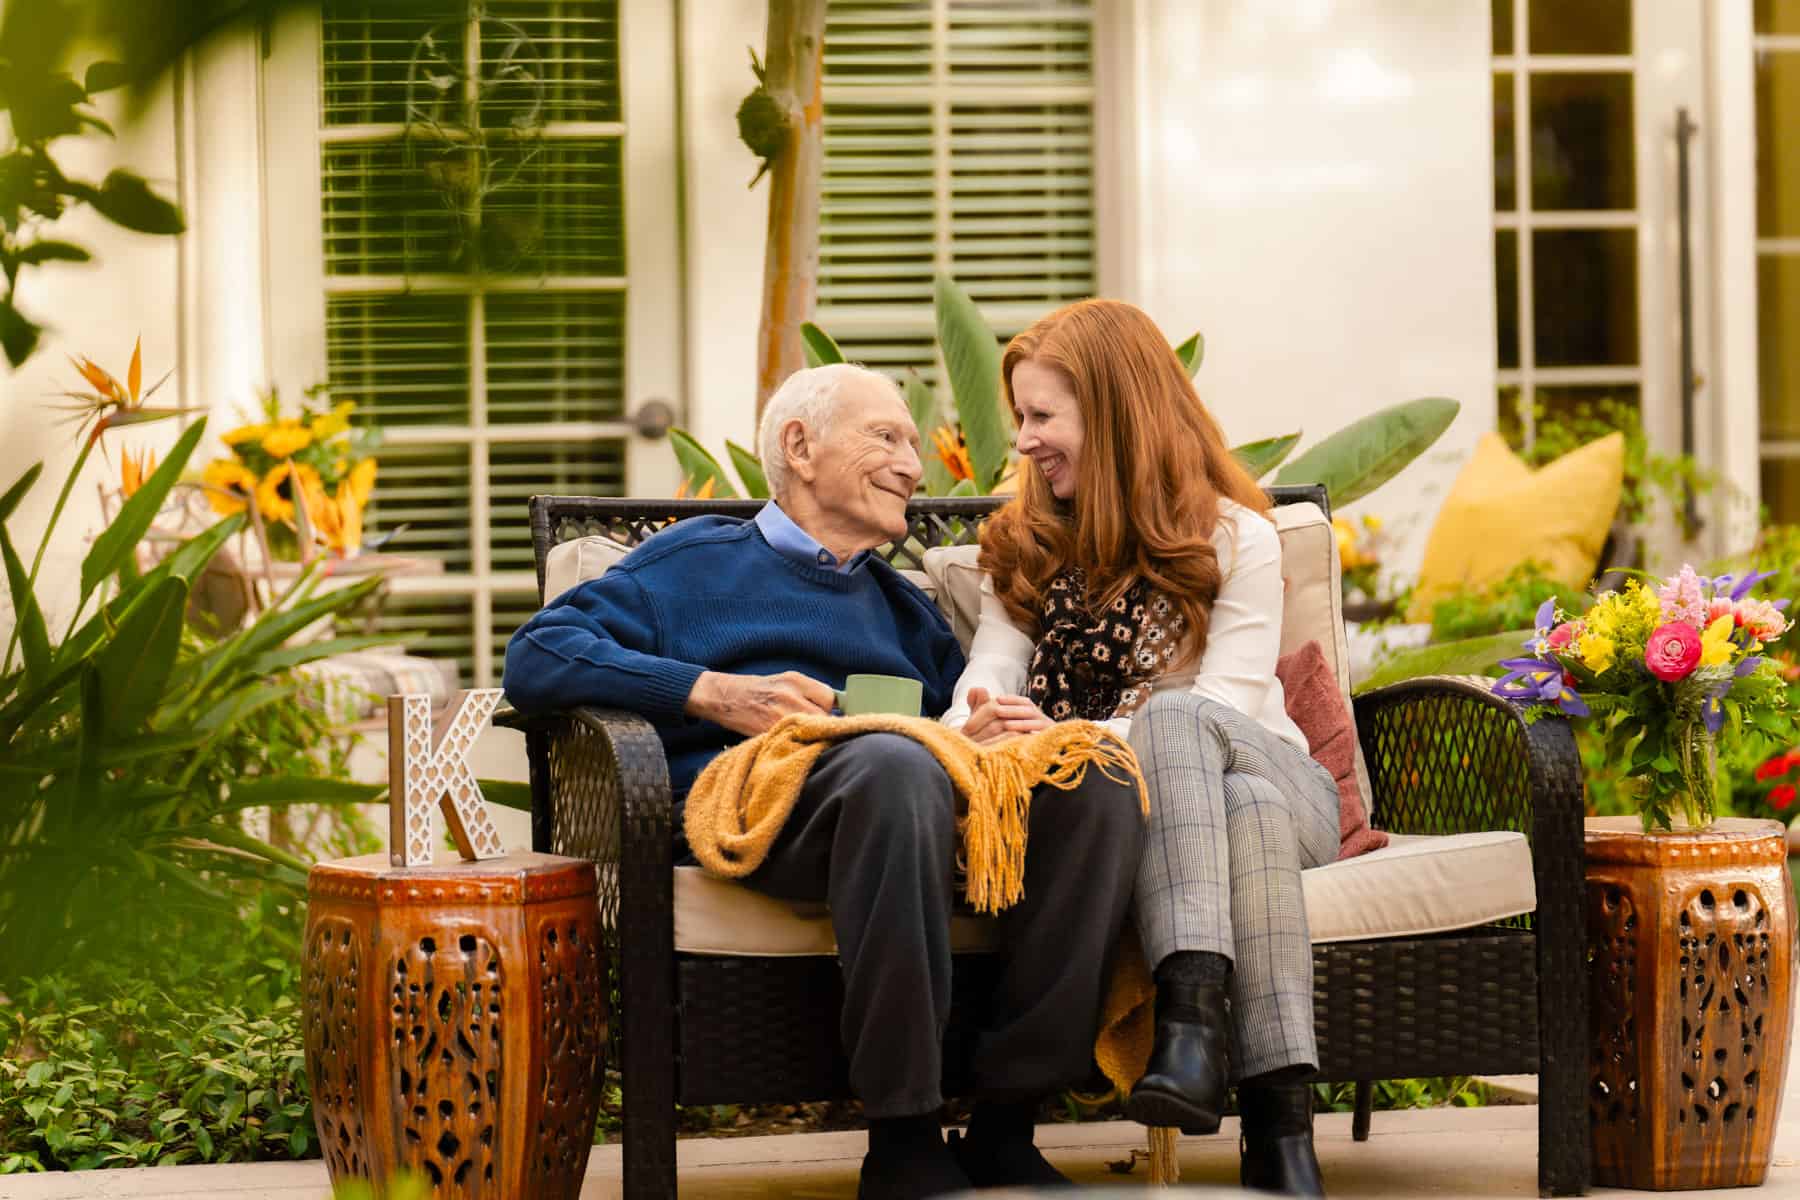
<point x="1673" y="651"/>
<point x="1560" y="637"/>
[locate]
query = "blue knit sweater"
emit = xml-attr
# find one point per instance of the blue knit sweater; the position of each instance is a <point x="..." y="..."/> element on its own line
<point x="710" y="594"/>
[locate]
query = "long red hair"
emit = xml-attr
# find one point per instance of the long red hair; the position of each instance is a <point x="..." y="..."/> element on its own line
<point x="1153" y="465"/>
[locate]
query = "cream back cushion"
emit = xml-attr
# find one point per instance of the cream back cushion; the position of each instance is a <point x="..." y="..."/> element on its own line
<point x="581" y="559"/>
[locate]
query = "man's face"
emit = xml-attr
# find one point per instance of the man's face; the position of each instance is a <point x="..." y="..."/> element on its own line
<point x="867" y="466"/>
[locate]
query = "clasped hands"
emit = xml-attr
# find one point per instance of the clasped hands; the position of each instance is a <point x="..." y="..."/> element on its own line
<point x="752" y="704"/>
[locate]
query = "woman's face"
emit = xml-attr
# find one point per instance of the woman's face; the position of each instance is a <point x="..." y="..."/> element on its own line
<point x="1050" y="427"/>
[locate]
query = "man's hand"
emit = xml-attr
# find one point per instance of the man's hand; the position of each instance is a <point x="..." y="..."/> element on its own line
<point x="992" y="718"/>
<point x="752" y="704"/>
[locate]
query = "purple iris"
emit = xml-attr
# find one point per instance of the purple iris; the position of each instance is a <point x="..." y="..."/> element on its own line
<point x="1750" y="580"/>
<point x="1546" y="620"/>
<point x="1532" y="680"/>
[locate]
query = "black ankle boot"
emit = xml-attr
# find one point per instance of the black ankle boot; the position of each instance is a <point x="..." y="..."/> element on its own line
<point x="1277" y="1146"/>
<point x="1184" y="1083"/>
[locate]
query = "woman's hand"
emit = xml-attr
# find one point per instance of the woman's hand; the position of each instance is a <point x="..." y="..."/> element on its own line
<point x="992" y="718"/>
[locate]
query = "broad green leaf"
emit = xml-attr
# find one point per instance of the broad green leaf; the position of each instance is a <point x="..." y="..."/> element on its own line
<point x="288" y="657"/>
<point x="921" y="404"/>
<point x="281" y="791"/>
<point x="1466" y="656"/>
<point x="91" y="744"/>
<point x="1368" y="452"/>
<point x="1259" y="458"/>
<point x="749" y="470"/>
<point x="119" y="539"/>
<point x="134" y="668"/>
<point x="103" y="76"/>
<point x="818" y="346"/>
<point x="39" y="253"/>
<point x="34" y="637"/>
<point x="125" y="199"/>
<point x="972" y="363"/>
<point x="18" y="333"/>
<point x="506" y="793"/>
<point x="964" y="487"/>
<point x="698" y="465"/>
<point x="1191" y="352"/>
<point x="17" y="491"/>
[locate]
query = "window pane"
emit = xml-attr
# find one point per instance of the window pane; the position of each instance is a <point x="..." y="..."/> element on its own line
<point x="1503" y="26"/>
<point x="1506" y="165"/>
<point x="877" y="194"/>
<point x="1778" y="318"/>
<point x="426" y="489"/>
<point x="1581" y="142"/>
<point x="1022" y="203"/>
<point x="555" y="356"/>
<point x="1778" y="16"/>
<point x="403" y="359"/>
<point x="1506" y="295"/>
<point x="517" y="471"/>
<point x="1568" y="417"/>
<point x="375" y="55"/>
<point x="1781" y="489"/>
<point x="1778" y="144"/>
<point x="549" y="60"/>
<point x="1580" y="27"/>
<point x="1584" y="302"/>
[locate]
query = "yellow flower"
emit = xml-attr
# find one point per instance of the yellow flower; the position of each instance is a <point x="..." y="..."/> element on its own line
<point x="1715" y="643"/>
<point x="1348" y="555"/>
<point x="286" y="439"/>
<point x="329" y="425"/>
<point x="336" y="524"/>
<point x="274" y="495"/>
<point x="133" y="471"/>
<point x="244" y="433"/>
<point x="362" y="481"/>
<point x="1371" y="522"/>
<point x="229" y="483"/>
<point x="1597" y="650"/>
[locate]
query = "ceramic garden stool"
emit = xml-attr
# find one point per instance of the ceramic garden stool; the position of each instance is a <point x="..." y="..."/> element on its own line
<point x="455" y="1021"/>
<point x="1690" y="952"/>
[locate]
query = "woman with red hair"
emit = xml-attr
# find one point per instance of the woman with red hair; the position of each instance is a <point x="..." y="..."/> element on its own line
<point x="1135" y="580"/>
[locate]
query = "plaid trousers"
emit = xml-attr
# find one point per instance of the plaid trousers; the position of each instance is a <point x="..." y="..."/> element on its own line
<point x="1235" y="814"/>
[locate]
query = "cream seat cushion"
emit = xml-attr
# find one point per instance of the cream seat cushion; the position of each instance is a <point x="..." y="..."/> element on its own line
<point x="1412" y="887"/>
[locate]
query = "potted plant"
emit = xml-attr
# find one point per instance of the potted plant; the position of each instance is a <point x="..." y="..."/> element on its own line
<point x="1671" y="672"/>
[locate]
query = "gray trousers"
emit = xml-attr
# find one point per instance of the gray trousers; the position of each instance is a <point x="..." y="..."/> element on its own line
<point x="874" y="835"/>
<point x="1235" y="814"/>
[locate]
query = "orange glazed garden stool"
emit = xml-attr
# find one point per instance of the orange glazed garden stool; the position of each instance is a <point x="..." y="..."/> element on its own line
<point x="1690" y="961"/>
<point x="455" y="1021"/>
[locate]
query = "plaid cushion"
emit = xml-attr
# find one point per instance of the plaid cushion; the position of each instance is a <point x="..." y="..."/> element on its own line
<point x="355" y="687"/>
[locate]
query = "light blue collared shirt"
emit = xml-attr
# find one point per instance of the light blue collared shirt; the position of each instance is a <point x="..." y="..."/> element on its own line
<point x="779" y="530"/>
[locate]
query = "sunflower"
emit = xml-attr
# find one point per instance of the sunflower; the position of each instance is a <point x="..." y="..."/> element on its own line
<point x="286" y="439"/>
<point x="329" y="425"/>
<point x="244" y="433"/>
<point x="229" y="483"/>
<point x="275" y="494"/>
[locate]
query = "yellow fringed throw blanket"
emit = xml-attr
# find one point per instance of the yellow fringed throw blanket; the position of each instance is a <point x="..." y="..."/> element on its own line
<point x="744" y="797"/>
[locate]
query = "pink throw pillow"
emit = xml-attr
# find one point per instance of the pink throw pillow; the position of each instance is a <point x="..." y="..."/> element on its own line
<point x="1317" y="707"/>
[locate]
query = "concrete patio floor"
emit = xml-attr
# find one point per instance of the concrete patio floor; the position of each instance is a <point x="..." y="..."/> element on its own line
<point x="1445" y="1154"/>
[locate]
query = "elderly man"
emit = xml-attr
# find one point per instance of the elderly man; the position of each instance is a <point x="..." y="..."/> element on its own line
<point x="717" y="628"/>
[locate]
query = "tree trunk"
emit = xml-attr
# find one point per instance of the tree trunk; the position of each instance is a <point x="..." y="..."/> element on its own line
<point x="794" y="64"/>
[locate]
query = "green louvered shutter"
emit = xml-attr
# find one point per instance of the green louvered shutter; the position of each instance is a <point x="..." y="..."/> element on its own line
<point x="489" y="345"/>
<point x="958" y="137"/>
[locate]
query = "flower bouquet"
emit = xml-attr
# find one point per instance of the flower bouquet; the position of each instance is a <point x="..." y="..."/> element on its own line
<point x="1666" y="673"/>
<point x="305" y="478"/>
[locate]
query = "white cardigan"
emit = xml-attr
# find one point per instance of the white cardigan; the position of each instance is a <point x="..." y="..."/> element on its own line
<point x="1242" y="641"/>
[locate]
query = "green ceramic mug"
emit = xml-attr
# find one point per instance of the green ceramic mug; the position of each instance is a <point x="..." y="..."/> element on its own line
<point x="865" y="694"/>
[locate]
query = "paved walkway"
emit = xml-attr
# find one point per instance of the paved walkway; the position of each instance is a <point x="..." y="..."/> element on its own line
<point x="1445" y="1154"/>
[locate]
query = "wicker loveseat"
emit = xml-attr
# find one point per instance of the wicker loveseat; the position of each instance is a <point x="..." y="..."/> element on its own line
<point x="1457" y="950"/>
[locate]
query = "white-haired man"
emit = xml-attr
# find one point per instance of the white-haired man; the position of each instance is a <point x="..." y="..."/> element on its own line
<point x="717" y="628"/>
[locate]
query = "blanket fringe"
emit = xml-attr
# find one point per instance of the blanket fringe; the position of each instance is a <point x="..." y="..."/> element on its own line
<point x="1165" y="1165"/>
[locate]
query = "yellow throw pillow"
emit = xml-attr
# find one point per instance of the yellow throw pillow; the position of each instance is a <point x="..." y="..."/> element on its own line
<point x="1500" y="513"/>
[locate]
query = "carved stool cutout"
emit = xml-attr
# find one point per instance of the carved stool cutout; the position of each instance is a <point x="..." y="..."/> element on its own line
<point x="455" y="1021"/>
<point x="1690" y="953"/>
